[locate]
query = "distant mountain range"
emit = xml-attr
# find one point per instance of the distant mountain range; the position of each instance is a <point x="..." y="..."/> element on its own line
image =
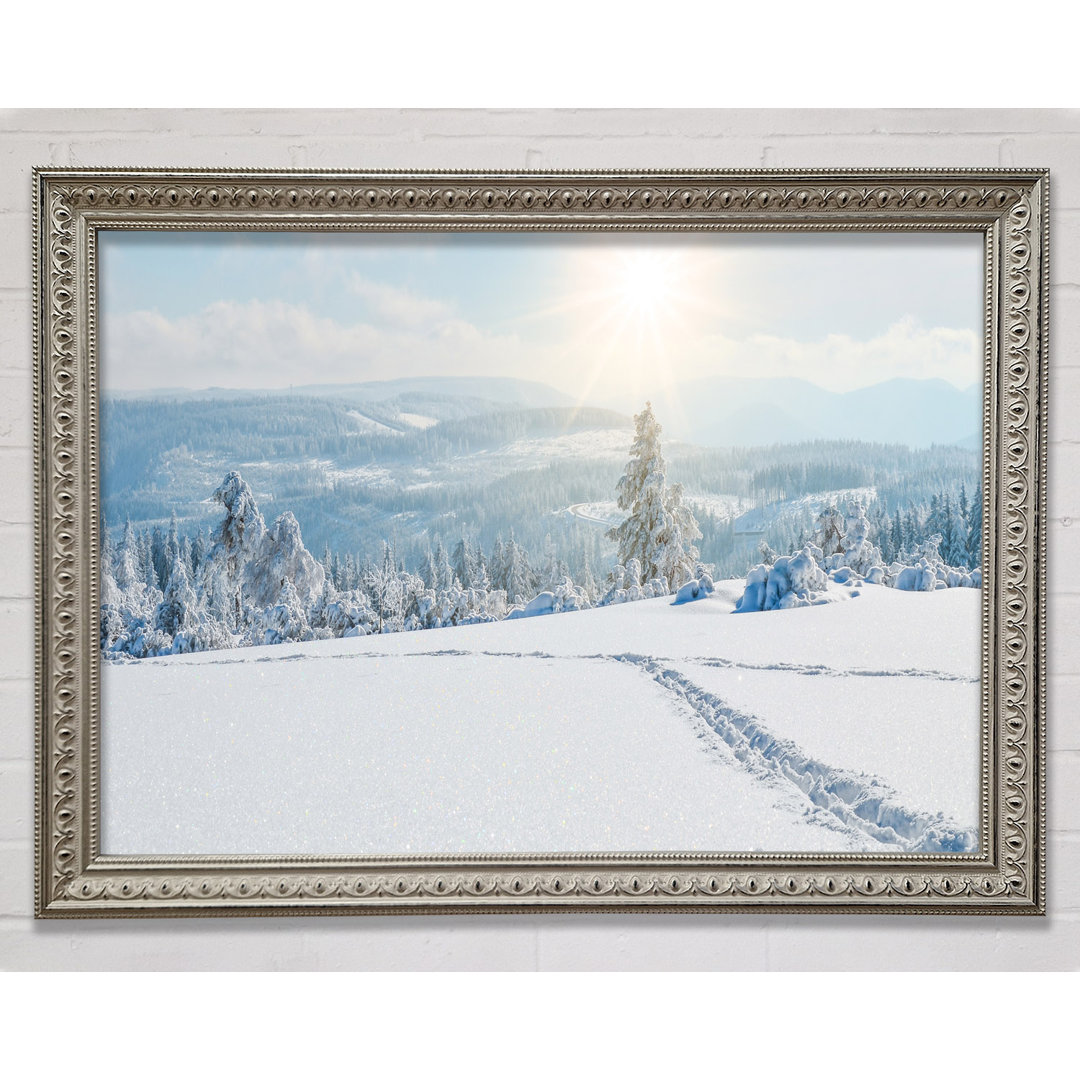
<point x="522" y="393"/>
<point x="723" y="411"/>
<point x="717" y="411"/>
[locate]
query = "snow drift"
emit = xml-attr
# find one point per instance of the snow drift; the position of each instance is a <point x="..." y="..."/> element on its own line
<point x="792" y="581"/>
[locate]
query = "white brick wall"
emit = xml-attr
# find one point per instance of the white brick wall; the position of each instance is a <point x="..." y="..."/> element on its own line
<point x="538" y="139"/>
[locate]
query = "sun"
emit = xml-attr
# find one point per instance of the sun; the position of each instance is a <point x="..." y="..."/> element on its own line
<point x="638" y="310"/>
<point x="633" y="316"/>
<point x="645" y="283"/>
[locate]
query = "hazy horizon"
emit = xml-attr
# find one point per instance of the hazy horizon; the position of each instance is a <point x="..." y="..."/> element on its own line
<point x="394" y="379"/>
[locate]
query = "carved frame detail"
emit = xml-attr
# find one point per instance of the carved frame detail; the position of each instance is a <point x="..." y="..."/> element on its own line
<point x="1006" y="876"/>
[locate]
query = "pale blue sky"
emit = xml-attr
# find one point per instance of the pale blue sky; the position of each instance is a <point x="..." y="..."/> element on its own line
<point x="583" y="312"/>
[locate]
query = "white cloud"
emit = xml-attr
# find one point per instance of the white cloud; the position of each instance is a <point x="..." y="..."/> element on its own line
<point x="396" y="306"/>
<point x="905" y="350"/>
<point x="840" y="362"/>
<point x="268" y="344"/>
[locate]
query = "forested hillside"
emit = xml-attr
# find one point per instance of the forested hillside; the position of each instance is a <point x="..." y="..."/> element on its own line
<point x="423" y="471"/>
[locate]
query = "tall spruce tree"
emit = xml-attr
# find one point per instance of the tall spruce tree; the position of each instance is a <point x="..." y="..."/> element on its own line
<point x="463" y="563"/>
<point x="521" y="580"/>
<point x="177" y="612"/>
<point x="128" y="571"/>
<point x="237" y="541"/>
<point x="497" y="564"/>
<point x="659" y="529"/>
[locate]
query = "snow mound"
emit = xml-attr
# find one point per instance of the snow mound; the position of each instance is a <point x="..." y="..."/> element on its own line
<point x="694" y="589"/>
<point x="845" y="575"/>
<point x="931" y="572"/>
<point x="919" y="578"/>
<point x="792" y="581"/>
<point x="541" y="604"/>
<point x="564" y="597"/>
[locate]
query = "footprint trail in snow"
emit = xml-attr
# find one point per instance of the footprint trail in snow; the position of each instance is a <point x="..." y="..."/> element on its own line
<point x="855" y="799"/>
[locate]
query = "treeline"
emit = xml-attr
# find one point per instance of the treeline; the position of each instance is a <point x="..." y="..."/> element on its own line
<point x="257" y="585"/>
<point x="250" y="584"/>
<point x="949" y="515"/>
<point x="354" y="516"/>
<point x="900" y="475"/>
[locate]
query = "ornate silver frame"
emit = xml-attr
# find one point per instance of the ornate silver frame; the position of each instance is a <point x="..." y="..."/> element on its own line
<point x="1007" y="874"/>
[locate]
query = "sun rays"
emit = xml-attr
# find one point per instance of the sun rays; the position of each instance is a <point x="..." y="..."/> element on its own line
<point x="639" y="309"/>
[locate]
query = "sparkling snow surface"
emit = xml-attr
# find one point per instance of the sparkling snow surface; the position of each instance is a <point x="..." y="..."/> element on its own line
<point x="641" y="727"/>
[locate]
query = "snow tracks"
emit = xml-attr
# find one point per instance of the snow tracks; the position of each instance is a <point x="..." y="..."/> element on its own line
<point x="852" y="802"/>
<point x="855" y="800"/>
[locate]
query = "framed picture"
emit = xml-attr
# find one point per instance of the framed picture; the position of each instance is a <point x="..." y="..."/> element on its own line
<point x="532" y="542"/>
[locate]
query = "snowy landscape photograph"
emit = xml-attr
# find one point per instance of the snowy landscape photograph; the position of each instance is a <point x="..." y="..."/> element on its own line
<point x="419" y="543"/>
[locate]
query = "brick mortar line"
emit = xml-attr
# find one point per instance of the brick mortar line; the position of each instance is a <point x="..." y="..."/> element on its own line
<point x="544" y="116"/>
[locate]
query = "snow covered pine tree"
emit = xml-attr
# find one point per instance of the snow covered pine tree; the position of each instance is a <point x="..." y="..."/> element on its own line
<point x="237" y="542"/>
<point x="659" y="530"/>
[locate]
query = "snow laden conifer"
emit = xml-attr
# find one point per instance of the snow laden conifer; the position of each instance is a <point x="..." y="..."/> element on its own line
<point x="146" y="564"/>
<point x="286" y="620"/>
<point x="430" y="571"/>
<point x="445" y="572"/>
<point x="112" y="614"/>
<point x="198" y="553"/>
<point x="128" y="573"/>
<point x="176" y="613"/>
<point x="384" y="585"/>
<point x="236" y="542"/>
<point x="463" y="563"/>
<point x="588" y="583"/>
<point x="856" y="549"/>
<point x="659" y="529"/>
<point x="481" y="577"/>
<point x="280" y="558"/>
<point x="519" y="577"/>
<point x="829" y="530"/>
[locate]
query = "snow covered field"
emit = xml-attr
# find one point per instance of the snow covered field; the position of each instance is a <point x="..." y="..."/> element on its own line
<point x="850" y="726"/>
